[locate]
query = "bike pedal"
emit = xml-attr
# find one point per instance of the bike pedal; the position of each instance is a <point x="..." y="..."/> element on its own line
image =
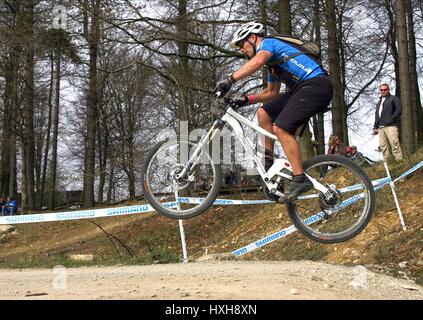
<point x="286" y="199"/>
<point x="271" y="197"/>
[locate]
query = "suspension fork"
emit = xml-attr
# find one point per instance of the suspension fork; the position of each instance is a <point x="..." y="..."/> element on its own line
<point x="196" y="155"/>
<point x="318" y="186"/>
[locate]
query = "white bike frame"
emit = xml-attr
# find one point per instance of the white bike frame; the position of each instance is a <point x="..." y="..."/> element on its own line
<point x="233" y="119"/>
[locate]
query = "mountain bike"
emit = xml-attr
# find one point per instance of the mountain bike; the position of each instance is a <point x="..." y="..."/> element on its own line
<point x="181" y="179"/>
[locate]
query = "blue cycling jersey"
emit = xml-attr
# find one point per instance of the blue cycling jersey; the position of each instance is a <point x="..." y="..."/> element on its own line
<point x="297" y="69"/>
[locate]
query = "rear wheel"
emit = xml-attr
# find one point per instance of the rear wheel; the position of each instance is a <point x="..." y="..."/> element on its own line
<point x="342" y="213"/>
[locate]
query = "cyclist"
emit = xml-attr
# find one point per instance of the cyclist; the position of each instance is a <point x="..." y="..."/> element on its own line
<point x="309" y="93"/>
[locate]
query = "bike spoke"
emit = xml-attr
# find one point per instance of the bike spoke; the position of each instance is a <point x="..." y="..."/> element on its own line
<point x="164" y="181"/>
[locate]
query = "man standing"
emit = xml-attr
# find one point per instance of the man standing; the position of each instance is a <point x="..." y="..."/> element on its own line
<point x="387" y="115"/>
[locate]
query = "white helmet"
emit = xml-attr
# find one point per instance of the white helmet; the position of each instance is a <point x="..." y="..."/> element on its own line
<point x="245" y="30"/>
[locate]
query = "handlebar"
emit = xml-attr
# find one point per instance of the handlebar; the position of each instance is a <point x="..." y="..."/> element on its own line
<point x="227" y="99"/>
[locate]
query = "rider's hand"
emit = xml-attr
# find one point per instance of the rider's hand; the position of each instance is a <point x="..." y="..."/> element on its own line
<point x="223" y="86"/>
<point x="239" y="101"/>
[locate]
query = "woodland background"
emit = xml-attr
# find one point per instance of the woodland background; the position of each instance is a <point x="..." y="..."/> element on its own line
<point x="86" y="85"/>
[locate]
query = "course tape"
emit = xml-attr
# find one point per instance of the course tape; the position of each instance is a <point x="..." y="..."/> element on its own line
<point x="284" y="232"/>
<point x="111" y="212"/>
<point x="120" y="211"/>
<point x="410" y="171"/>
<point x="376" y="183"/>
<point x="76" y="215"/>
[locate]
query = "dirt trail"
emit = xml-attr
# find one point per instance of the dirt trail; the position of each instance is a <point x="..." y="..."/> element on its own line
<point x="227" y="280"/>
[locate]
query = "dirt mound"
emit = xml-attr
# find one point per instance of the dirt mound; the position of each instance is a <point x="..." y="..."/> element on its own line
<point x="150" y="238"/>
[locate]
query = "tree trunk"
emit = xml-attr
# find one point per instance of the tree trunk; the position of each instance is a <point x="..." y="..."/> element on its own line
<point x="131" y="148"/>
<point x="13" y="180"/>
<point x="49" y="123"/>
<point x="284" y="12"/>
<point x="407" y="137"/>
<point x="393" y="44"/>
<point x="28" y="110"/>
<point x="101" y="160"/>
<point x="318" y="120"/>
<point x="24" y="184"/>
<point x="11" y="66"/>
<point x="111" y="183"/>
<point x="131" y="172"/>
<point x="417" y="115"/>
<point x="182" y="27"/>
<point x="8" y="102"/>
<point x="103" y="149"/>
<point x="8" y="186"/>
<point x="335" y="69"/>
<point x="263" y="18"/>
<point x="92" y="36"/>
<point x="342" y="65"/>
<point x="53" y="166"/>
<point x="39" y="146"/>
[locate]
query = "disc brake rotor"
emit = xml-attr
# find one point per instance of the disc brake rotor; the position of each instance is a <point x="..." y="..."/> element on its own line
<point x="330" y="203"/>
<point x="181" y="183"/>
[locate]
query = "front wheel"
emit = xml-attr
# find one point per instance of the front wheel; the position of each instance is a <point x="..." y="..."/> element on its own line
<point x="344" y="211"/>
<point x="174" y="196"/>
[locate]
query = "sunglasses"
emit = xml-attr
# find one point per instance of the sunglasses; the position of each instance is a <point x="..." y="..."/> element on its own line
<point x="240" y="44"/>
<point x="384" y="90"/>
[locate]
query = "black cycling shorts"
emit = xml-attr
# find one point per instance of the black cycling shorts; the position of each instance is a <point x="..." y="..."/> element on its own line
<point x="293" y="108"/>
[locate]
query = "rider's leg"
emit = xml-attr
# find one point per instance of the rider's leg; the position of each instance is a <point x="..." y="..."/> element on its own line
<point x="266" y="122"/>
<point x="309" y="98"/>
<point x="300" y="183"/>
<point x="266" y="116"/>
<point x="291" y="148"/>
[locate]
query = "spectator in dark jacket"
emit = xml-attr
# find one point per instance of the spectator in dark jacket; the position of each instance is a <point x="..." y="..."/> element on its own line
<point x="387" y="115"/>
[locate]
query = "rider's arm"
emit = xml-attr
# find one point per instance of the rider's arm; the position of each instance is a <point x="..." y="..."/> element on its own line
<point x="256" y="63"/>
<point x="268" y="94"/>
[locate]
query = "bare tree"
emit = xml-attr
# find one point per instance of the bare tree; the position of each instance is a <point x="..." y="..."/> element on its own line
<point x="285" y="20"/>
<point x="91" y="12"/>
<point x="48" y="133"/>
<point x="11" y="56"/>
<point x="407" y="136"/>
<point x="318" y="121"/>
<point x="393" y="42"/>
<point x="28" y="108"/>
<point x="417" y="113"/>
<point x="335" y="70"/>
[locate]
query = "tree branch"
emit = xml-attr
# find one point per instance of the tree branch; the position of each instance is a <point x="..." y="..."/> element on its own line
<point x="371" y="80"/>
